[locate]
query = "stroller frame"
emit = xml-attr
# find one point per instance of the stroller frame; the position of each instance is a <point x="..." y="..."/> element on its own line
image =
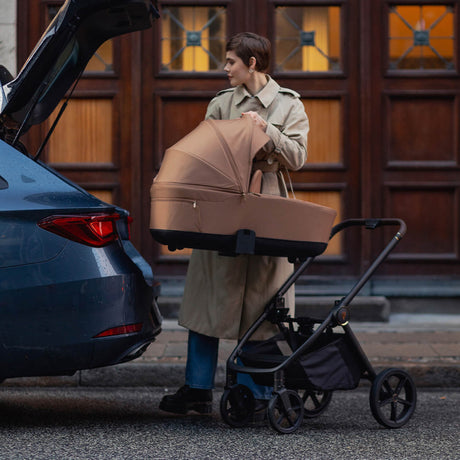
<point x="392" y="396"/>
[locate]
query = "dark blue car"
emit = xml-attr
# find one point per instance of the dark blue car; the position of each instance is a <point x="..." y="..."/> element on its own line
<point x="74" y="292"/>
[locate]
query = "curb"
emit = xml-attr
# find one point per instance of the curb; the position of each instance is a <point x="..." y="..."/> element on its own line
<point x="172" y="375"/>
<point x="167" y="375"/>
<point x="365" y="308"/>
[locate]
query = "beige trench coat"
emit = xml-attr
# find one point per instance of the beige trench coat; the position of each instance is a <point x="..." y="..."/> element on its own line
<point x="224" y="295"/>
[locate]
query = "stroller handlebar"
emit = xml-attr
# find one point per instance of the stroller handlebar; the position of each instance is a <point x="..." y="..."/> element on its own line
<point x="370" y="224"/>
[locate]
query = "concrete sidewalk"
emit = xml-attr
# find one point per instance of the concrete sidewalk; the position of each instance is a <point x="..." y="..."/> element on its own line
<point x="427" y="346"/>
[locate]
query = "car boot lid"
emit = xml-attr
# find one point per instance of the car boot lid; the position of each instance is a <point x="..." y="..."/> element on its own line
<point x="62" y="53"/>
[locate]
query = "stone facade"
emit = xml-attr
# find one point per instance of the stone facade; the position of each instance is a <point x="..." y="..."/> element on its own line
<point x="8" y="35"/>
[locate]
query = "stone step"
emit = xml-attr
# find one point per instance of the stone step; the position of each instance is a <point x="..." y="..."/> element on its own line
<point x="362" y="308"/>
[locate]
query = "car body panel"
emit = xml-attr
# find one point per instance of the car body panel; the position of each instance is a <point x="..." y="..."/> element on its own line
<point x="41" y="188"/>
<point x="35" y="190"/>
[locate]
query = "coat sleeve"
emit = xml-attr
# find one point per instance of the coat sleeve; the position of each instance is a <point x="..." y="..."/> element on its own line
<point x="290" y="139"/>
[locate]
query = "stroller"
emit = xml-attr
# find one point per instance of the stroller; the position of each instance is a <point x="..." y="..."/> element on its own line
<point x="309" y="359"/>
<point x="205" y="196"/>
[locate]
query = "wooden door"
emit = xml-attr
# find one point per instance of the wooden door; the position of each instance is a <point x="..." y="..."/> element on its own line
<point x="411" y="122"/>
<point x="315" y="52"/>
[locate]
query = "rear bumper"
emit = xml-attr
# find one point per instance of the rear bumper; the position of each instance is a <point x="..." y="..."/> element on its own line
<point x="50" y="313"/>
<point x="126" y="347"/>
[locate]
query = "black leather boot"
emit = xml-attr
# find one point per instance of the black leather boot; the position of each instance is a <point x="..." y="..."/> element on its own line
<point x="186" y="399"/>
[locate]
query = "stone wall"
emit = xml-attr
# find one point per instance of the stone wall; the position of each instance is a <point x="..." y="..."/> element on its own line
<point x="8" y="35"/>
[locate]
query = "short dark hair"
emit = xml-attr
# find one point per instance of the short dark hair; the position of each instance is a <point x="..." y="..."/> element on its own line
<point x="247" y="44"/>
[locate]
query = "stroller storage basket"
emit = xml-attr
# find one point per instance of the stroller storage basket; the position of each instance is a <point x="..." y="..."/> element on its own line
<point x="328" y="365"/>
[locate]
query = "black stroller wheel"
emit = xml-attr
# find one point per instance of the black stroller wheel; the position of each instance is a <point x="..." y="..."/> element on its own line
<point x="315" y="402"/>
<point x="285" y="411"/>
<point x="393" y="398"/>
<point x="237" y="405"/>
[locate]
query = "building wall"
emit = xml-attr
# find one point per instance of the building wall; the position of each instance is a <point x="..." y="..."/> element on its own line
<point x="383" y="141"/>
<point x="8" y="35"/>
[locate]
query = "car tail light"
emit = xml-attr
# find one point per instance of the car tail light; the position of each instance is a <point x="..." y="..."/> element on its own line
<point x="119" y="330"/>
<point x="124" y="227"/>
<point x="95" y="230"/>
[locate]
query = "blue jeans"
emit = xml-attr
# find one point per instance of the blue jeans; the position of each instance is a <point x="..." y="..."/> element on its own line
<point x="202" y="353"/>
<point x="201" y="361"/>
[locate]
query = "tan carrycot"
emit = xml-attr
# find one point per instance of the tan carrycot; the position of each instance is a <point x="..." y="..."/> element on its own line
<point x="204" y="197"/>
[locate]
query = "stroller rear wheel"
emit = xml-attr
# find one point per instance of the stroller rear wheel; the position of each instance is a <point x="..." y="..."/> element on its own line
<point x="393" y="398"/>
<point x="315" y="402"/>
<point x="237" y="405"/>
<point x="285" y="411"/>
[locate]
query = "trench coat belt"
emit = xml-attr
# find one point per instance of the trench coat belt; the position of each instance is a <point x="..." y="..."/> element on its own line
<point x="265" y="167"/>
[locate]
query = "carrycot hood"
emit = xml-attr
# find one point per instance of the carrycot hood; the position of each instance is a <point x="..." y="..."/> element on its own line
<point x="216" y="154"/>
<point x="63" y="51"/>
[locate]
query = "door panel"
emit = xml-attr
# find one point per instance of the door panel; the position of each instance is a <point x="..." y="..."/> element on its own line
<point x="420" y="128"/>
<point x="433" y="213"/>
<point x="325" y="138"/>
<point x="84" y="135"/>
<point x="177" y="116"/>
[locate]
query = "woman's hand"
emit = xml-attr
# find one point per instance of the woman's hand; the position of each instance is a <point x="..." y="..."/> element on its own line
<point x="256" y="118"/>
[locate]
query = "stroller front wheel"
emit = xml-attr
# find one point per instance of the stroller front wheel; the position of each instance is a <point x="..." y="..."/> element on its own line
<point x="393" y="398"/>
<point x="285" y="411"/>
<point x="237" y="405"/>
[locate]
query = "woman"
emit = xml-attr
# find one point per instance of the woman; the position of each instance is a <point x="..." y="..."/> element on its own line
<point x="223" y="295"/>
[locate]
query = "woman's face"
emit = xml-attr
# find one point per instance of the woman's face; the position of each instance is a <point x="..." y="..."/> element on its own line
<point x="237" y="71"/>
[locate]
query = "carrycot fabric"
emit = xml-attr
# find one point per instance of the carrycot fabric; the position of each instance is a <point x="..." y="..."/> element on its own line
<point x="201" y="199"/>
<point x="217" y="154"/>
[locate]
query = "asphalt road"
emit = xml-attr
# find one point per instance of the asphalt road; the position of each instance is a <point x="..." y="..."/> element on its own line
<point x="125" y="423"/>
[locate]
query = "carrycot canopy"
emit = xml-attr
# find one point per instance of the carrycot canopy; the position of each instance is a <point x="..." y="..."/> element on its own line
<point x="216" y="154"/>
